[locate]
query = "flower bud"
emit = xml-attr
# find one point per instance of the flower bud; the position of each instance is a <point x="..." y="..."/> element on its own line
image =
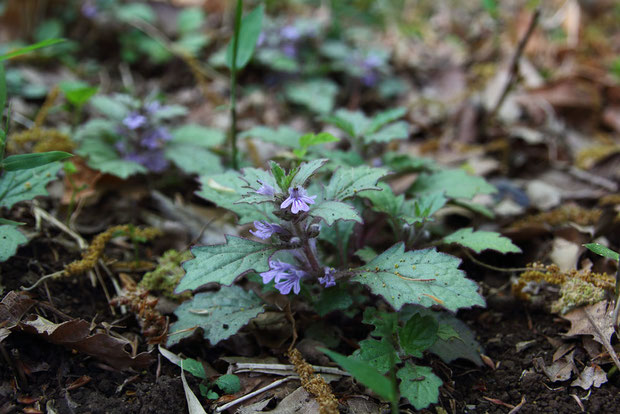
<point x="314" y="230"/>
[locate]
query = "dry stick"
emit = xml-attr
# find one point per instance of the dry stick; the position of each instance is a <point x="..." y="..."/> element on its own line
<point x="252" y="394"/>
<point x="258" y="367"/>
<point x="499" y="269"/>
<point x="514" y="62"/>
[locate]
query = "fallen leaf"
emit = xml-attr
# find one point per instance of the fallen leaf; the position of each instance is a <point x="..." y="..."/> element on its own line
<point x="591" y="375"/>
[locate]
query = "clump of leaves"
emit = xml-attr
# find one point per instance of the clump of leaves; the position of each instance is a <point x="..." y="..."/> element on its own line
<point x="136" y="137"/>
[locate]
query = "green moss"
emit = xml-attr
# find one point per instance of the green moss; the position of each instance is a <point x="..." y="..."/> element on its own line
<point x="576" y="292"/>
<point x="167" y="274"/>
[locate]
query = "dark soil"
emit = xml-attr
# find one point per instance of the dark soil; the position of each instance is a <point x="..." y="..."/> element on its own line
<point x="38" y="374"/>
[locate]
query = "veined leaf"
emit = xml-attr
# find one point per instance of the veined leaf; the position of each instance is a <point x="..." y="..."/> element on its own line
<point x="456" y="183"/>
<point x="10" y="239"/>
<point x="482" y="240"/>
<point x="419" y="385"/>
<point x="383" y="118"/>
<point x="23" y="185"/>
<point x="305" y="171"/>
<point x="418" y="334"/>
<point x="220" y="314"/>
<point x="223" y="263"/>
<point x="397" y="130"/>
<point x="330" y="211"/>
<point x="349" y="182"/>
<point x="380" y="354"/>
<point x="423" y="277"/>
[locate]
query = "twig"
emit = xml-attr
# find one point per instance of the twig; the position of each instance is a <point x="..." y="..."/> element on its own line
<point x="254" y="393"/>
<point x="514" y="63"/>
<point x="499" y="269"/>
<point x="257" y="367"/>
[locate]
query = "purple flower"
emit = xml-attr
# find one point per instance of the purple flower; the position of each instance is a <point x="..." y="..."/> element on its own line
<point x="298" y="197"/>
<point x="134" y="120"/>
<point x="328" y="280"/>
<point x="156" y="138"/>
<point x="289" y="50"/>
<point x="152" y="107"/>
<point x="277" y="268"/>
<point x="290" y="33"/>
<point x="264" y="230"/>
<point x="291" y="280"/>
<point x="261" y="39"/>
<point x="152" y="160"/>
<point x="286" y="275"/>
<point x="265" y="189"/>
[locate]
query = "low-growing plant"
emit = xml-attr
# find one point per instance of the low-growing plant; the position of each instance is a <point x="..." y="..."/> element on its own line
<point x="137" y="137"/>
<point x="311" y="224"/>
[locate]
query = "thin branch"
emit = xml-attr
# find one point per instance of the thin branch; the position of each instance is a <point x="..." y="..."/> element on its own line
<point x="254" y="393"/>
<point x="514" y="63"/>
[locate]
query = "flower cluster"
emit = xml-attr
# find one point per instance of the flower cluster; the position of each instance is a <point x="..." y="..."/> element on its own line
<point x="286" y="276"/>
<point x="299" y="232"/>
<point x="144" y="138"/>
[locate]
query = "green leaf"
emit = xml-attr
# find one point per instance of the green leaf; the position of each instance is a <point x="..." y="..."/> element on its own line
<point x="305" y="171"/>
<point x="198" y="135"/>
<point x="602" y="251"/>
<point x="168" y="112"/>
<point x="341" y="123"/>
<point x="220" y="314"/>
<point x="318" y="95"/>
<point x="30" y="48"/>
<point x="10" y="239"/>
<point x="227" y="191"/>
<point x="379" y="354"/>
<point x="309" y="140"/>
<point x="112" y="108"/>
<point x="419" y="385"/>
<point x="423" y="277"/>
<point x="385" y="323"/>
<point x="330" y="211"/>
<point x="190" y="19"/>
<point x="190" y="365"/>
<point x="456" y="183"/>
<point x="364" y="373"/>
<point x="401" y="163"/>
<point x="426" y="205"/>
<point x="284" y="136"/>
<point x="383" y="118"/>
<point x="223" y="263"/>
<point x="366" y="253"/>
<point x="103" y="157"/>
<point x="26" y="184"/>
<point x="349" y="182"/>
<point x="11" y="222"/>
<point x="475" y="207"/>
<point x="248" y="36"/>
<point x="29" y="161"/>
<point x="193" y="159"/>
<point x="229" y="383"/>
<point x="449" y="347"/>
<point x="397" y="130"/>
<point x="333" y="298"/>
<point x="418" y="334"/>
<point x="385" y="201"/>
<point x="482" y="240"/>
<point x="279" y="175"/>
<point x="338" y="235"/>
<point x="77" y="93"/>
<point x="130" y="12"/>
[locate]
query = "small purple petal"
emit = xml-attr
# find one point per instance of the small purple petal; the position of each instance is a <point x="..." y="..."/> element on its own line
<point x="328" y="280"/>
<point x="292" y="280"/>
<point x="266" y="189"/>
<point x="290" y="33"/>
<point x="264" y="230"/>
<point x="134" y="120"/>
<point x="299" y="199"/>
<point x="277" y="270"/>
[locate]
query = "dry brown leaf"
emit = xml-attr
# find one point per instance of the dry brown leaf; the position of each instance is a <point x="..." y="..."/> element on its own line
<point x="74" y="334"/>
<point x="592" y="375"/>
<point x="595" y="320"/>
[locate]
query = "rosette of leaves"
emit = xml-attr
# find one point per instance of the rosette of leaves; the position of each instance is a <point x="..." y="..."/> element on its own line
<point x="137" y="137"/>
<point x="290" y="211"/>
<point x="362" y="130"/>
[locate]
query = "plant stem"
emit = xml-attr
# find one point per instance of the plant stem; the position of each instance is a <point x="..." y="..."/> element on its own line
<point x="314" y="263"/>
<point x="233" y="86"/>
